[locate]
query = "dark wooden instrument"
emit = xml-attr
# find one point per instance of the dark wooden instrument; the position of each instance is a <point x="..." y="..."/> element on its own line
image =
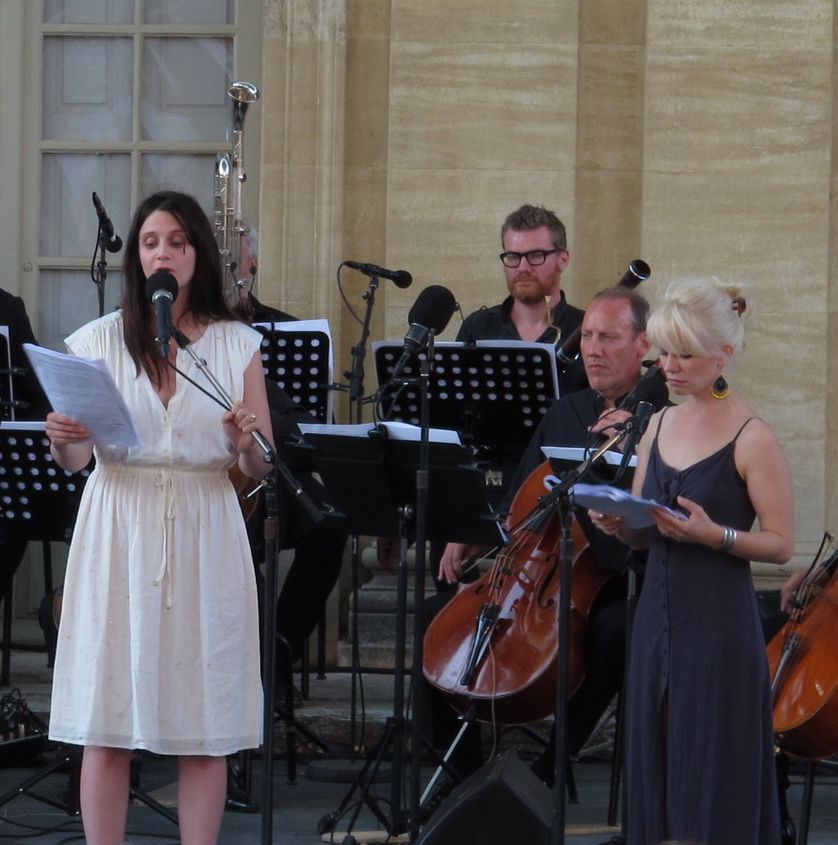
<point x="495" y="644"/>
<point x="803" y="657"/>
<point x="247" y="490"/>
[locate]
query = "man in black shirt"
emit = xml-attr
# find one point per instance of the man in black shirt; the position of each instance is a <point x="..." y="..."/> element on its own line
<point x="30" y="401"/>
<point x="534" y="255"/>
<point x="613" y="345"/>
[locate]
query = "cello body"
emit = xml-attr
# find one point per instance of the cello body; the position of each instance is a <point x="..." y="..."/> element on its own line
<point x="494" y="646"/>
<point x="803" y="661"/>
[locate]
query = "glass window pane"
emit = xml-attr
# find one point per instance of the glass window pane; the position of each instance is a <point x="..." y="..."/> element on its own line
<point x="89" y="11"/>
<point x="87" y="89"/>
<point x="192" y="174"/>
<point x="184" y="93"/>
<point x="195" y="11"/>
<point x="68" y="219"/>
<point x="69" y="299"/>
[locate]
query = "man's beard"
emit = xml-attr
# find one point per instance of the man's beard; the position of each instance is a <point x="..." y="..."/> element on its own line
<point x="529" y="295"/>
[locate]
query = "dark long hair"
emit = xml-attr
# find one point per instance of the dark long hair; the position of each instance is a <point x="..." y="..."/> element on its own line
<point x="206" y="292"/>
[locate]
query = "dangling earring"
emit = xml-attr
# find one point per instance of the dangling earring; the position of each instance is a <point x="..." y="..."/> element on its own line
<point x="721" y="389"/>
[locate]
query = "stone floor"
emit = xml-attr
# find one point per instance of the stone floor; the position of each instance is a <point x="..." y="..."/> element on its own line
<point x="299" y="807"/>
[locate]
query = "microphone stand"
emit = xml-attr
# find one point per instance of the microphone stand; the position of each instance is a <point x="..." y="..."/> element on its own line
<point x="356" y="397"/>
<point x="560" y="498"/>
<point x="422" y="477"/>
<point x="272" y="545"/>
<point x="99" y="269"/>
<point x="359" y="352"/>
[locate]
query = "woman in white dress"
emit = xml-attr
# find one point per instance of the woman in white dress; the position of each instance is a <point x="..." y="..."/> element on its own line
<point x="158" y="646"/>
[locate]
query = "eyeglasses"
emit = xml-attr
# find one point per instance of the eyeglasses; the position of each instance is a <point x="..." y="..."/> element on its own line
<point x="535" y="257"/>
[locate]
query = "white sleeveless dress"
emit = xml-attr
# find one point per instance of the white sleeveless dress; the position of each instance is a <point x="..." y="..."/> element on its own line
<point x="158" y="645"/>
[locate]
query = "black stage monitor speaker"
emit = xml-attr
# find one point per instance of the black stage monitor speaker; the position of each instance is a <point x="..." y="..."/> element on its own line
<point x="501" y="802"/>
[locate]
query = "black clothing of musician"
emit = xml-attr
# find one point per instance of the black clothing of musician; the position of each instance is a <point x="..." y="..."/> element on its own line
<point x="30" y="403"/>
<point x="566" y="424"/>
<point x="495" y="323"/>
<point x="318" y="549"/>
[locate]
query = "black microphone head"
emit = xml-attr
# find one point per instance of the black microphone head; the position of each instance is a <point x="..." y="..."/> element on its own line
<point x="402" y="279"/>
<point x="161" y="281"/>
<point x="433" y="308"/>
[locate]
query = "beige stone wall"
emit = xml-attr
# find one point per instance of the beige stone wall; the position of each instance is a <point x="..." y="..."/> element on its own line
<point x="697" y="136"/>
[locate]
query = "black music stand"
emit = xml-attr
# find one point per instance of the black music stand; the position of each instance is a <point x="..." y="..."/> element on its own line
<point x="372" y="482"/>
<point x="37" y="497"/>
<point x="494" y="393"/>
<point x="297" y="356"/>
<point x="38" y="501"/>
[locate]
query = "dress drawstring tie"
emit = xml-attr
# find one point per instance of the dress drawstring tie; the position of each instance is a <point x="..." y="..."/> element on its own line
<point x="166" y="480"/>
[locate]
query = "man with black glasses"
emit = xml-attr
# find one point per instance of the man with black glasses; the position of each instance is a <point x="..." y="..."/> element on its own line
<point x="534" y="255"/>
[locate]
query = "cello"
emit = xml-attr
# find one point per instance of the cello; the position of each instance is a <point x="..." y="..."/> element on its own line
<point x="804" y="667"/>
<point x="494" y="646"/>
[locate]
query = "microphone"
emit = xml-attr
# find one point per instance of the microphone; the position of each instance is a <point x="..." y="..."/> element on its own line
<point x="650" y="388"/>
<point x="635" y="428"/>
<point x="401" y="278"/>
<point x="161" y="289"/>
<point x="431" y="312"/>
<point x="113" y="242"/>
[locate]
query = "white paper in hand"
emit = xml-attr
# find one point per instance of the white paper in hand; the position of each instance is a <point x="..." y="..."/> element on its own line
<point x="85" y="390"/>
<point x="616" y="502"/>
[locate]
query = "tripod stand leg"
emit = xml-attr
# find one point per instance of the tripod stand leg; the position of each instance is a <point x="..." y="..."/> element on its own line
<point x="286" y="678"/>
<point x="64" y="758"/>
<point x="362" y="783"/>
<point x="444" y="765"/>
<point x="154" y="804"/>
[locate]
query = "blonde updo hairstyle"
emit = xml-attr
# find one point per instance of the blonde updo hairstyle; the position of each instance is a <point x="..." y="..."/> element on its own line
<point x="699" y="318"/>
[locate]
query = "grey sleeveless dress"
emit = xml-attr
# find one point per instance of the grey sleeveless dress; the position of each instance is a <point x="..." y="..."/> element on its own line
<point x="699" y="760"/>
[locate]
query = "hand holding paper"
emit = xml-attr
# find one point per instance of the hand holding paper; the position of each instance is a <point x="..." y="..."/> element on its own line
<point x="84" y="390"/>
<point x="635" y="511"/>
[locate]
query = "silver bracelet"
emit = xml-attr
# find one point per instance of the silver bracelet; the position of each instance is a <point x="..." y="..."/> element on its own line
<point x="731" y="536"/>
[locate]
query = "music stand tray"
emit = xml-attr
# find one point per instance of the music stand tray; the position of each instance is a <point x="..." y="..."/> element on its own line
<point x="370" y="475"/>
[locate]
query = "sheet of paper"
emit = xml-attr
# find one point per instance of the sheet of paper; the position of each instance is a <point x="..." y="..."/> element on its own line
<point x="577" y="455"/>
<point x="615" y="502"/>
<point x="84" y="389"/>
<point x="395" y="431"/>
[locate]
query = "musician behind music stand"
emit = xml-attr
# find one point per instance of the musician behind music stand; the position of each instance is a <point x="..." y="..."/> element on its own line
<point x="38" y="501"/>
<point x="372" y="480"/>
<point x="21" y="396"/>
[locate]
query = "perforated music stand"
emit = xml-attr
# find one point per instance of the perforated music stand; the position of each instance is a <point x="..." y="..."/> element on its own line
<point x="494" y="393"/>
<point x="491" y="392"/>
<point x="297" y="355"/>
<point x="372" y="482"/>
<point x="38" y="501"/>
